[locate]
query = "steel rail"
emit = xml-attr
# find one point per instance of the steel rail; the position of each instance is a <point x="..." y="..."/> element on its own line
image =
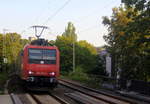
<point x="15" y="99"/>
<point x="83" y="92"/>
<point x="62" y="101"/>
<point x="100" y="92"/>
<point x="93" y="90"/>
<point x="36" y="99"/>
<point x="58" y="99"/>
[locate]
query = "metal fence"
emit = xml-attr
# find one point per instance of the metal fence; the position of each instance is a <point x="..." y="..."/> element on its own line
<point x="124" y="84"/>
<point x="140" y="86"/>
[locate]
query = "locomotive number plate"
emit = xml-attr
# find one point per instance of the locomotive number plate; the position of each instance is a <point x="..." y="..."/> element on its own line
<point x="40" y="72"/>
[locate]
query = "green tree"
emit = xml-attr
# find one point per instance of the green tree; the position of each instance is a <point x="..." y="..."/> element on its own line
<point x="90" y="47"/>
<point x="128" y="38"/>
<point x="140" y="29"/>
<point x="52" y="42"/>
<point x="13" y="44"/>
<point x="85" y="56"/>
<point x="99" y="68"/>
<point x="85" y="53"/>
<point x="70" y="32"/>
<point x="66" y="55"/>
<point x="65" y="44"/>
<point x="23" y="42"/>
<point x="117" y="39"/>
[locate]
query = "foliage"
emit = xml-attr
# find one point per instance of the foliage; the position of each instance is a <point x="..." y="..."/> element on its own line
<point x="85" y="53"/>
<point x="78" y="75"/>
<point x="128" y="38"/>
<point x="66" y="56"/>
<point x="12" y="45"/>
<point x="70" y="32"/>
<point x="3" y="78"/>
<point x="85" y="56"/>
<point x="99" y="68"/>
<point x="51" y="42"/>
<point x="82" y="53"/>
<point x="87" y="45"/>
<point x="65" y="44"/>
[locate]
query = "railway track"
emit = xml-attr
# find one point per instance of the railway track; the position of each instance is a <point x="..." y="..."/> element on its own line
<point x="48" y="99"/>
<point x="62" y="101"/>
<point x="31" y="98"/>
<point x="83" y="93"/>
<point x="71" y="91"/>
<point x="15" y="99"/>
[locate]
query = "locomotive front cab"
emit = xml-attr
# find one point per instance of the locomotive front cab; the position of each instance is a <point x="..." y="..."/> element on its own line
<point x="42" y="65"/>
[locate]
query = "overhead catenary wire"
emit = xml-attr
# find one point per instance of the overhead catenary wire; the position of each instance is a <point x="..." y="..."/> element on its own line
<point x="83" y="18"/>
<point x="36" y="20"/>
<point x="52" y="16"/>
<point x="42" y="12"/>
<point x="57" y="11"/>
<point x="79" y="20"/>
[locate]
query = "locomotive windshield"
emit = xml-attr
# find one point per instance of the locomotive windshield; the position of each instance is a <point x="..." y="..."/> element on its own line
<point x="42" y="56"/>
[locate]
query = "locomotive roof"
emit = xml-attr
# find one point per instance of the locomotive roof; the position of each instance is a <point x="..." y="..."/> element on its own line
<point x="40" y="43"/>
<point x="40" y="47"/>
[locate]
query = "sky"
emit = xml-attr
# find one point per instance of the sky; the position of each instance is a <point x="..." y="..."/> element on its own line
<point x="86" y="15"/>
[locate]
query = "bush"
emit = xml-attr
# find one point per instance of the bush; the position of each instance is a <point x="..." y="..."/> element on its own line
<point x="78" y="75"/>
<point x="3" y="79"/>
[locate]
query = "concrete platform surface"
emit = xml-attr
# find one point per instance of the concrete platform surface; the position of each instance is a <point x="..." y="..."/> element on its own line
<point x="5" y="99"/>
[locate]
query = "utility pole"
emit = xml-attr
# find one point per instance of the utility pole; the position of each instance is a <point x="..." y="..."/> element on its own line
<point x="73" y="54"/>
<point x="4" y="49"/>
<point x="74" y="58"/>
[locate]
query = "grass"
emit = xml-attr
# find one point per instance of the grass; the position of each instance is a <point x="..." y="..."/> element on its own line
<point x="80" y="76"/>
<point x="90" y="81"/>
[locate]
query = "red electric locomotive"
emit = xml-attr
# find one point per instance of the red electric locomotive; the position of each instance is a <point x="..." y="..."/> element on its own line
<point x="40" y="64"/>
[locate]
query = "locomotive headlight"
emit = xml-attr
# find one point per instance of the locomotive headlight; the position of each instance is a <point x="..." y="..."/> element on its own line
<point x="31" y="72"/>
<point x="52" y="73"/>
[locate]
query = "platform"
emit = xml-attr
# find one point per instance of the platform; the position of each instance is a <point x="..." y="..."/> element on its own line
<point x="5" y="99"/>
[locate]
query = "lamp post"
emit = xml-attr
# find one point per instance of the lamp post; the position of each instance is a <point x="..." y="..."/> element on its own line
<point x="5" y="61"/>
